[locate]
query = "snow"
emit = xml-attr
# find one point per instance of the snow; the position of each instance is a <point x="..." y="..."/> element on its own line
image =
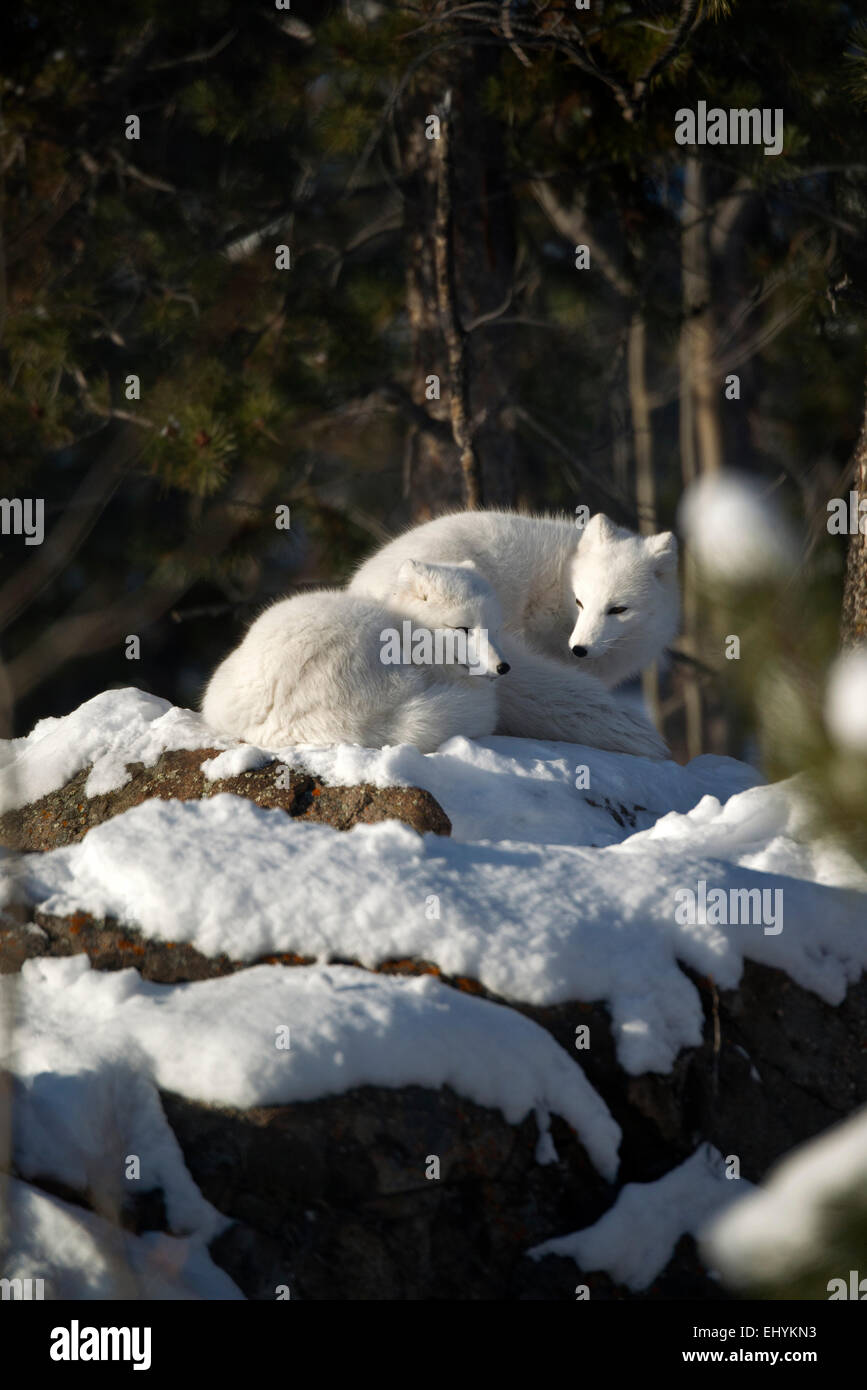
<point x="735" y="533"/>
<point x="636" y="1237"/>
<point x="109" y="731"/>
<point x="779" y="1230"/>
<point x="536" y="923"/>
<point x="92" y="1048"/>
<point x="559" y="883"/>
<point x="525" y="790"/>
<point x="218" y="1041"/>
<point x="846" y="700"/>
<point x="234" y="761"/>
<point x="80" y="1255"/>
<point x="498" y="789"/>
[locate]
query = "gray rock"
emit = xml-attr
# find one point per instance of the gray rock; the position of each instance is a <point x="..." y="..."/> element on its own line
<point x="65" y="816"/>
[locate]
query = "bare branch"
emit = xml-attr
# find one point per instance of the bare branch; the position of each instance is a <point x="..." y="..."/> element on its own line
<point x="506" y="26"/>
<point x="80" y="516"/>
<point x="111" y="413"/>
<point x="248" y="244"/>
<point x="396" y="395"/>
<point x="106" y="623"/>
<point x="203" y="56"/>
<point x="491" y="315"/>
<point x="139" y="175"/>
<point x="581" y="469"/>
<point x="571" y="225"/>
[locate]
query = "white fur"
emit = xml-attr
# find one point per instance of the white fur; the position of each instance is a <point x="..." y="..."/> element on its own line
<point x="309" y="669"/>
<point x="613" y="567"/>
<point x="538" y="567"/>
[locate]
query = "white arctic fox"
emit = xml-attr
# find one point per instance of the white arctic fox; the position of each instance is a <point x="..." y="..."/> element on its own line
<point x="311" y="668"/>
<point x="599" y="602"/>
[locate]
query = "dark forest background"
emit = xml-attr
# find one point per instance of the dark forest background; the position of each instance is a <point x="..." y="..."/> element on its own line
<point x="309" y="387"/>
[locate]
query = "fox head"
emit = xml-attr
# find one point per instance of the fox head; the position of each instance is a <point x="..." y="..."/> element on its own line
<point x="623" y="592"/>
<point x="458" y="597"/>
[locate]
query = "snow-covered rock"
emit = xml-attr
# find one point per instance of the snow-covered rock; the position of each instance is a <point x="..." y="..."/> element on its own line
<point x="602" y="926"/>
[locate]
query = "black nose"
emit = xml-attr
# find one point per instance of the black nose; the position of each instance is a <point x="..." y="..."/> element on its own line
<point x="503" y="668"/>
<point x="579" y="651"/>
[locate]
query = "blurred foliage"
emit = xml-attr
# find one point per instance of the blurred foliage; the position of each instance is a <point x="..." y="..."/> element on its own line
<point x="788" y="630"/>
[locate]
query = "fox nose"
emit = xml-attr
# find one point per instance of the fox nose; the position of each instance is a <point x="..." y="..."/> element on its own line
<point x="503" y="668"/>
<point x="579" y="651"/>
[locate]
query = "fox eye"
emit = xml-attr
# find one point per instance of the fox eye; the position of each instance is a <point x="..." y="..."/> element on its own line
<point x="579" y="603"/>
<point x="617" y="609"/>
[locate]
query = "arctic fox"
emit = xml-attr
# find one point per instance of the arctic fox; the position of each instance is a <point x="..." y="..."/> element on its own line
<point x="599" y="602"/>
<point x="317" y="668"/>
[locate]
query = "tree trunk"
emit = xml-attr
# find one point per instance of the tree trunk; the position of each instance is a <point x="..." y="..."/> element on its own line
<point x="645" y="483"/>
<point x="451" y="325"/>
<point x="854" y="621"/>
<point x="697" y="333"/>
<point x="642" y="435"/>
<point x="431" y="476"/>
<point x="692" y="357"/>
<point x="736" y="223"/>
<point x="482" y="250"/>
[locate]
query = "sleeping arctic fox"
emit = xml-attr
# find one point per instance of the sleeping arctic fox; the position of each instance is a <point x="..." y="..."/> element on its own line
<point x="321" y="667"/>
<point x="314" y="669"/>
<point x="600" y="602"/>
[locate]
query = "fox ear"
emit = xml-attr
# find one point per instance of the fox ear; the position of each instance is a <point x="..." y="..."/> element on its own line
<point x="415" y="578"/>
<point x="663" y="551"/>
<point x="600" y="528"/>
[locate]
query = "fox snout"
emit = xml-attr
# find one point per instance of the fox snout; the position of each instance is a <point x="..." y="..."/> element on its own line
<point x="485" y="660"/>
<point x="494" y="663"/>
<point x="492" y="668"/>
<point x="579" y="651"/>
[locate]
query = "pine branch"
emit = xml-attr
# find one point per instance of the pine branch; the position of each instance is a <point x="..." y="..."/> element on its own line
<point x="690" y="16"/>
